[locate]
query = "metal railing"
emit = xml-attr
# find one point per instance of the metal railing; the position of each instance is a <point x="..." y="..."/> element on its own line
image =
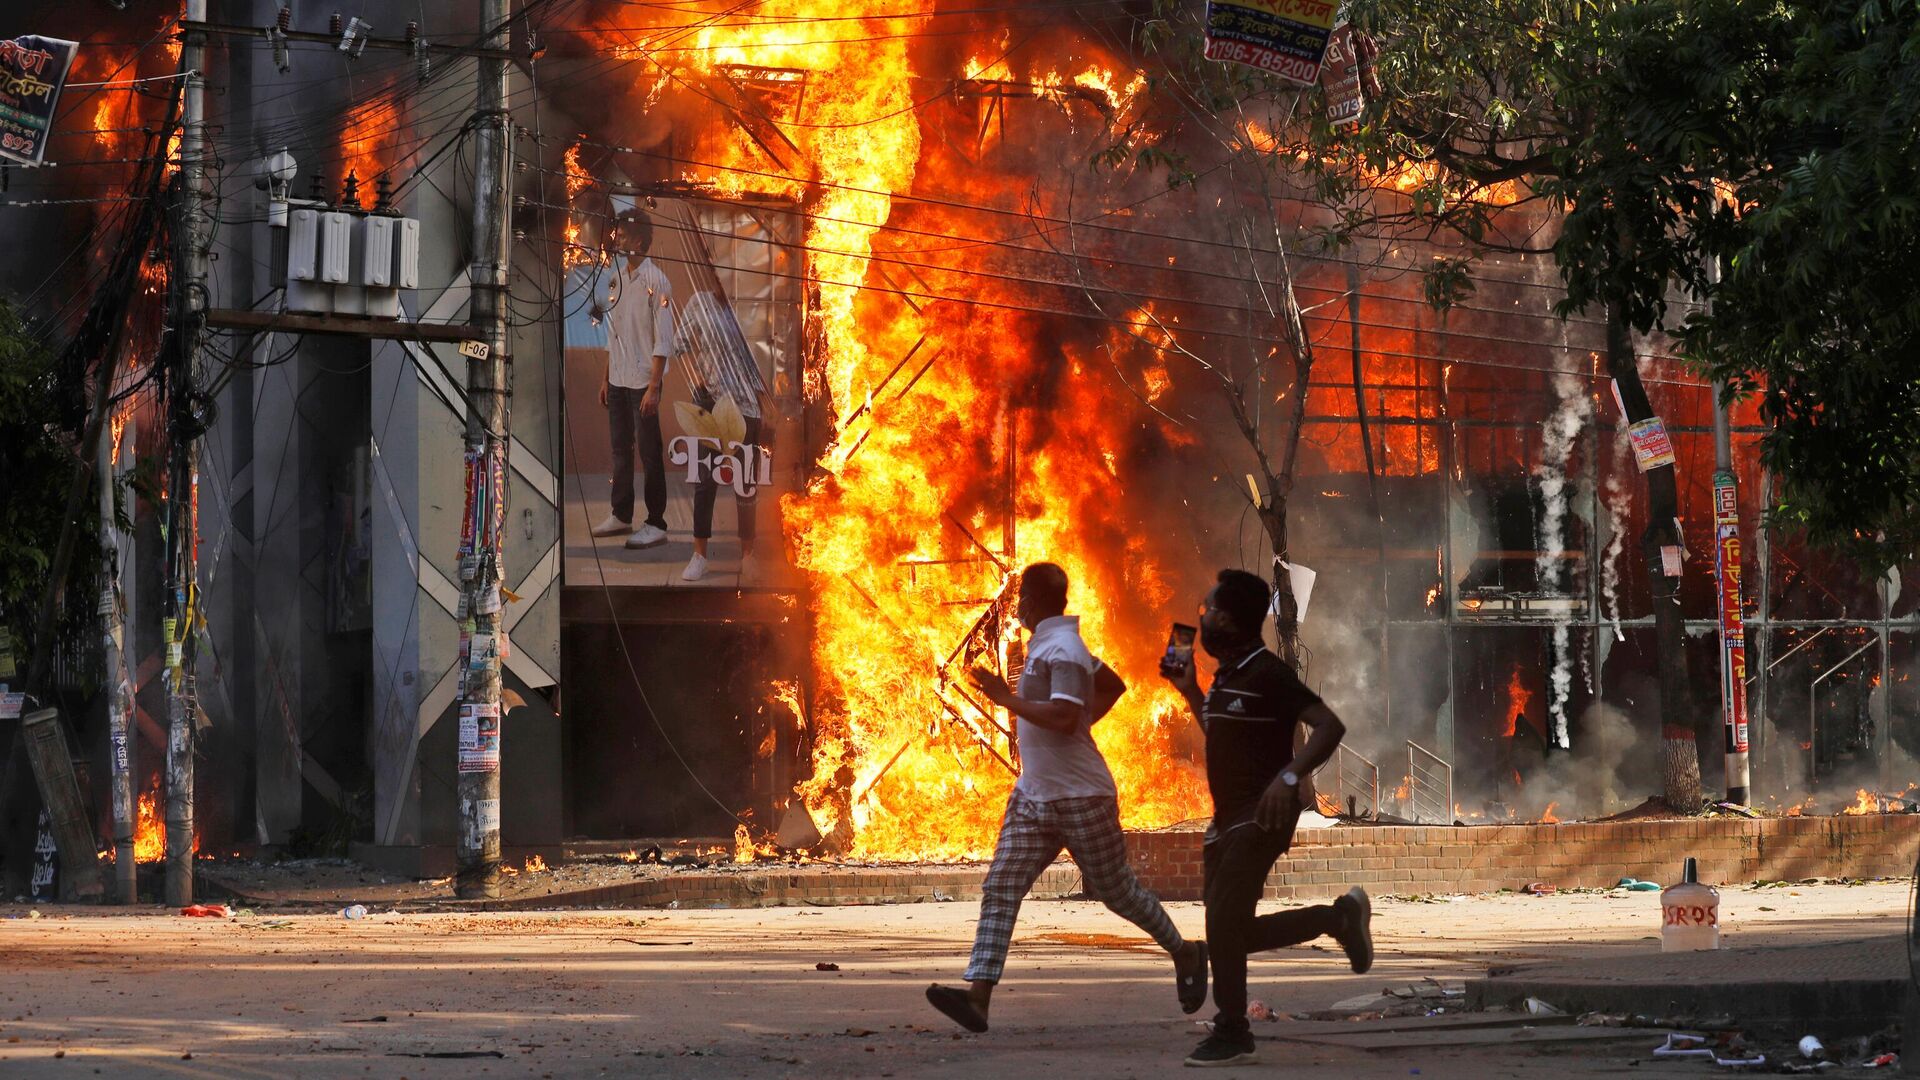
<point x="1356" y="783"/>
<point x="1813" y="708"/>
<point x="1429" y="786"/>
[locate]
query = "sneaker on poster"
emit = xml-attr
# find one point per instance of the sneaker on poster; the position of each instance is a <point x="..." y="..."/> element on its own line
<point x="696" y="569"/>
<point x="647" y="536"/>
<point x="753" y="568"/>
<point x="612" y="526"/>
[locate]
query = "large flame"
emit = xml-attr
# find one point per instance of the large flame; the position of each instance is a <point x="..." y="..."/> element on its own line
<point x="906" y="534"/>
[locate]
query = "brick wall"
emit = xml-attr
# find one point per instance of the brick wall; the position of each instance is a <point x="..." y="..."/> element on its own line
<point x="1486" y="858"/>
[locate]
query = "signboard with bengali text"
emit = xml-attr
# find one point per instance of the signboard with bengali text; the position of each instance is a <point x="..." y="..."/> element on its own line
<point x="1287" y="38"/>
<point x="33" y="71"/>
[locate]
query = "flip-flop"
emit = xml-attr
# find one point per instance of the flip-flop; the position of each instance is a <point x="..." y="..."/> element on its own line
<point x="957" y="1007"/>
<point x="1192" y="988"/>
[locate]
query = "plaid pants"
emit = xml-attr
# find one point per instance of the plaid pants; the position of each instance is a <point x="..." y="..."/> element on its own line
<point x="1031" y="836"/>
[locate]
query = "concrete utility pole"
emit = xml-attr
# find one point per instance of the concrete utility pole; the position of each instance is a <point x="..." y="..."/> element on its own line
<point x="113" y="647"/>
<point x="477" y="872"/>
<point x="1729" y="599"/>
<point x="182" y="605"/>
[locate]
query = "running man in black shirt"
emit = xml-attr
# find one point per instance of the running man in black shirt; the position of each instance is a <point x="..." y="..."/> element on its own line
<point x="1250" y="716"/>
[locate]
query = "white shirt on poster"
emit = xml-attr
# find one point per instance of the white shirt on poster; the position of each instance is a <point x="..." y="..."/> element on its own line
<point x="639" y="305"/>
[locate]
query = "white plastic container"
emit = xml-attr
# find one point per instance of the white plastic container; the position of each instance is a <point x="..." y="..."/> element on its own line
<point x="1690" y="914"/>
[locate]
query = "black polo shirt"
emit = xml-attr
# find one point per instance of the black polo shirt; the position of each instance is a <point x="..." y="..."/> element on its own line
<point x="1250" y="716"/>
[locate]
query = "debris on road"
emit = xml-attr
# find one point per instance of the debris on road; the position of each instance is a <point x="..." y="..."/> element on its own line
<point x="825" y="966"/>
<point x="207" y="911"/>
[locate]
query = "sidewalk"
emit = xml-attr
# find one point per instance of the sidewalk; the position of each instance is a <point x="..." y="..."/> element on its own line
<point x="1843" y="988"/>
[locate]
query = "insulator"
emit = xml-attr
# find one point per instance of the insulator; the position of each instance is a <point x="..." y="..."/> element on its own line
<point x="285" y="19"/>
<point x="336" y="25"/>
<point x="413" y="31"/>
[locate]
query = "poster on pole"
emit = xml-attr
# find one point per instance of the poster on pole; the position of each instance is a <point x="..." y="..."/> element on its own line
<point x="1733" y="634"/>
<point x="33" y="71"/>
<point x="1651" y="446"/>
<point x="1347" y="75"/>
<point x="1287" y="38"/>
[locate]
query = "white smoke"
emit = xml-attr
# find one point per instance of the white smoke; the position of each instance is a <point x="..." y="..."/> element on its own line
<point x="1558" y="438"/>
<point x="1615" y="496"/>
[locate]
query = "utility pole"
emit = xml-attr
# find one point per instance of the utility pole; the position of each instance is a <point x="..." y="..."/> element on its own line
<point x="477" y="867"/>
<point x="1729" y="599"/>
<point x="1726" y="576"/>
<point x="182" y="603"/>
<point x="119" y="687"/>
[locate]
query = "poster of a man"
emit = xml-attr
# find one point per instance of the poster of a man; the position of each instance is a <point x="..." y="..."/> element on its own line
<point x="635" y="300"/>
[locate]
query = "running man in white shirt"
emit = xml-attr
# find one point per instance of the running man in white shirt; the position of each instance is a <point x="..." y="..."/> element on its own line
<point x="1065" y="798"/>
<point x="638" y="306"/>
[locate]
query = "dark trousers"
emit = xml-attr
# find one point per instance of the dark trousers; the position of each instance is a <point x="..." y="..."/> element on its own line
<point x="624" y="419"/>
<point x="1237" y="863"/>
<point x="703" y="496"/>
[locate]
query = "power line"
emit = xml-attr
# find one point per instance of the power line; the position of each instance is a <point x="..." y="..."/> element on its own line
<point x="1131" y="294"/>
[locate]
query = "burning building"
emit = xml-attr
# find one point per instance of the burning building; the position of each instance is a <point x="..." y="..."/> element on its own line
<point x="990" y="331"/>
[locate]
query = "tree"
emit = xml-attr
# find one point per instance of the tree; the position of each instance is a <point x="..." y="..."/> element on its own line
<point x="1808" y="118"/>
<point x="37" y="458"/>
<point x="1505" y="93"/>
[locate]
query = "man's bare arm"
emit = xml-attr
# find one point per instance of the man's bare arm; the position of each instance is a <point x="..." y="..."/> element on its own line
<point x="1056" y="715"/>
<point x="1324" y="740"/>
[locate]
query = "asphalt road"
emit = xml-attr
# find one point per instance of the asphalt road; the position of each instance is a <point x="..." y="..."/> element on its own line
<point x="737" y="993"/>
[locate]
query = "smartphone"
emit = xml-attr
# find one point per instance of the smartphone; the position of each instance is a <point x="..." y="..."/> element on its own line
<point x="1178" y="659"/>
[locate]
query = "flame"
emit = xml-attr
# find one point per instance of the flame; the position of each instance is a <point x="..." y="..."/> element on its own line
<point x="535" y="864"/>
<point x="938" y="480"/>
<point x="577" y="178"/>
<point x="1547" y="816"/>
<point x="1517" y="698"/>
<point x="746" y="850"/>
<point x="630" y="856"/>
<point x="369" y="141"/>
<point x="149" y="827"/>
<point x="1326" y="804"/>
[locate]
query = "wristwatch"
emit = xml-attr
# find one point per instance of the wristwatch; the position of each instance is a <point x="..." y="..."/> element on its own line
<point x="1290" y="778"/>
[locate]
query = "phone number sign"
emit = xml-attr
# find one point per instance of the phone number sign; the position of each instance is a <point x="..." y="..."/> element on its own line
<point x="1287" y="38"/>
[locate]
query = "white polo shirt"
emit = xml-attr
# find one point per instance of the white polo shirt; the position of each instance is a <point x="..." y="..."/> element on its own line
<point x="1060" y="764"/>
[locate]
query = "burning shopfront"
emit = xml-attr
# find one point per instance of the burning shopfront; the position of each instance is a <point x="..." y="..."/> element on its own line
<point x="985" y="338"/>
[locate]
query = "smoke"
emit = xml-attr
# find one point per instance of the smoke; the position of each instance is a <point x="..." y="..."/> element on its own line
<point x="1615" y="496"/>
<point x="1558" y="438"/>
<point x="1607" y="771"/>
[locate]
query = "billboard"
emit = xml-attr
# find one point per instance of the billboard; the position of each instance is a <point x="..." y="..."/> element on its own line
<point x="33" y="71"/>
<point x="674" y="482"/>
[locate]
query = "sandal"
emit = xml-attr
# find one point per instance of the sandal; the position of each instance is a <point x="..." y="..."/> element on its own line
<point x="957" y="1007"/>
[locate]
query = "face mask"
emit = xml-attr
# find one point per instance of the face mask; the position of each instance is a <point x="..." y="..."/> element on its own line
<point x="1221" y="644"/>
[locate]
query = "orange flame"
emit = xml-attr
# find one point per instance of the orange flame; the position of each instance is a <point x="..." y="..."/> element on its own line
<point x="149" y="828"/>
<point x="1517" y="698"/>
<point x="1547" y="816"/>
<point x="535" y="864"/>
